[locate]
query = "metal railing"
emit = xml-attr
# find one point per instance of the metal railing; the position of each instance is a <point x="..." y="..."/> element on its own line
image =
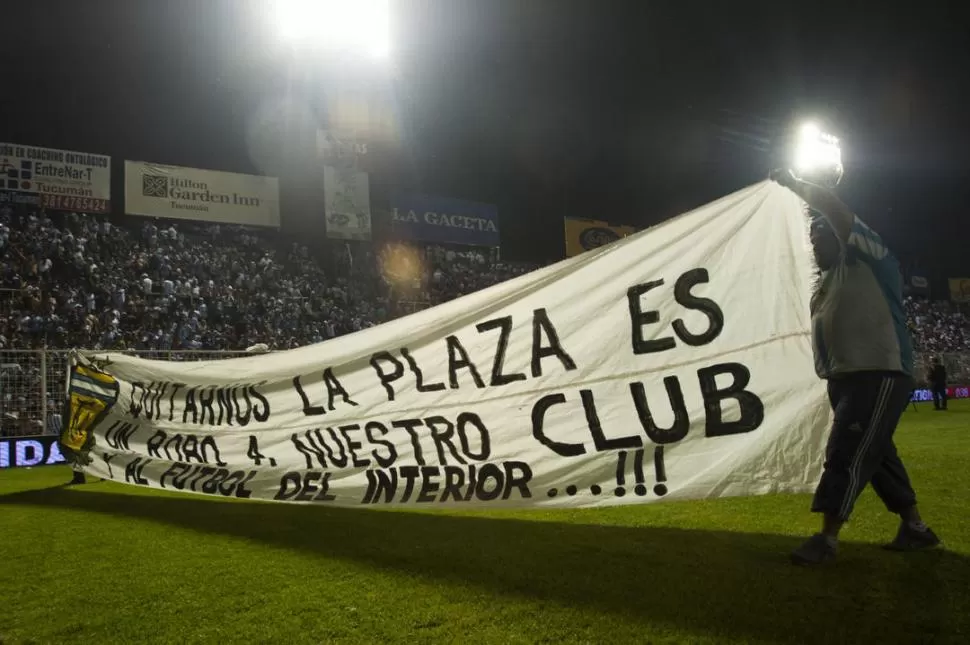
<point x="32" y="382"/>
<point x="24" y="398"/>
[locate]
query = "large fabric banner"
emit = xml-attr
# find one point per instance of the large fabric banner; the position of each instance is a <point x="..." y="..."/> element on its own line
<point x="673" y="364"/>
<point x="158" y="190"/>
<point x="960" y="289"/>
<point x="55" y="179"/>
<point x="585" y="235"/>
<point x="346" y="203"/>
<point x="444" y="220"/>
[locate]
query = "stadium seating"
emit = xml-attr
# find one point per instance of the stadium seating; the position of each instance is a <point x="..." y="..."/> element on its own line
<point x="77" y="281"/>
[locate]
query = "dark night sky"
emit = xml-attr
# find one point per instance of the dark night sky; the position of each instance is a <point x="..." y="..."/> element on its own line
<point x="625" y="111"/>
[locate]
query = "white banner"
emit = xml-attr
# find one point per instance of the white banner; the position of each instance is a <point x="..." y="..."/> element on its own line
<point x="346" y="203"/>
<point x="156" y="190"/>
<point x="673" y="364"/>
<point x="55" y="179"/>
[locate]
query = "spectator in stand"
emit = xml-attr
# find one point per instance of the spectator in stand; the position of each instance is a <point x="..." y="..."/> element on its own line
<point x="54" y="419"/>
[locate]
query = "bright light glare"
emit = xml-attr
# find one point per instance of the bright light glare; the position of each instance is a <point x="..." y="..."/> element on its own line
<point x="810" y="131"/>
<point x="361" y="25"/>
<point x="816" y="150"/>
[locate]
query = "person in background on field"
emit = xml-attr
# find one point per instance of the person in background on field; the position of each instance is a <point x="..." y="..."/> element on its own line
<point x="938" y="383"/>
<point x="863" y="350"/>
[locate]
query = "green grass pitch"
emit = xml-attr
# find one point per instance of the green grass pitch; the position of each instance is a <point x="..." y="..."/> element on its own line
<point x="107" y="563"/>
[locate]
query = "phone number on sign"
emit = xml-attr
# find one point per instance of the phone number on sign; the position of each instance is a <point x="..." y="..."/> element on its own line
<point x="69" y="202"/>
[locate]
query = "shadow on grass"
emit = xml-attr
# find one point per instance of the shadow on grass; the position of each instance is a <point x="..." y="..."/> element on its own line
<point x="715" y="582"/>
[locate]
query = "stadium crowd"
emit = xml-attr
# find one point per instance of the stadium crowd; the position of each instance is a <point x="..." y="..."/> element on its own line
<point x="937" y="326"/>
<point x="74" y="280"/>
<point x="80" y="281"/>
<point x="85" y="282"/>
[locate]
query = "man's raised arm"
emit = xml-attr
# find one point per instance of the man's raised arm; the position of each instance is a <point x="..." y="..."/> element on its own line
<point x="821" y="199"/>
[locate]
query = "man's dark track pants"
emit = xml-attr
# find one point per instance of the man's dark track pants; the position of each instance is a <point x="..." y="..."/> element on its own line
<point x="860" y="449"/>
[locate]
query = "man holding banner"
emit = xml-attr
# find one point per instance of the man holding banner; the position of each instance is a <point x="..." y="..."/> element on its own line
<point x="862" y="348"/>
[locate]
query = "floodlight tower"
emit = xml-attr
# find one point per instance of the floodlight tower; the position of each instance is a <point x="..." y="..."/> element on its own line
<point x="341" y="52"/>
<point x="360" y="26"/>
<point x="816" y="156"/>
<point x="340" y="58"/>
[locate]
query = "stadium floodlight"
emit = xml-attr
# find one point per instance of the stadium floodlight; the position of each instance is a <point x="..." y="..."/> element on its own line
<point x="817" y="155"/>
<point x="344" y="25"/>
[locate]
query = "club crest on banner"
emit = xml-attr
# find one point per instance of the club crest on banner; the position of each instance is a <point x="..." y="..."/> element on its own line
<point x="91" y="395"/>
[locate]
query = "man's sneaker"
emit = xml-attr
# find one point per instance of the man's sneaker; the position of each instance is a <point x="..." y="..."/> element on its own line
<point x="815" y="550"/>
<point x="910" y="539"/>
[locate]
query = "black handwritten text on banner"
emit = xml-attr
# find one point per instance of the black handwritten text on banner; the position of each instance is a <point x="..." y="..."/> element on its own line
<point x="675" y="363"/>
